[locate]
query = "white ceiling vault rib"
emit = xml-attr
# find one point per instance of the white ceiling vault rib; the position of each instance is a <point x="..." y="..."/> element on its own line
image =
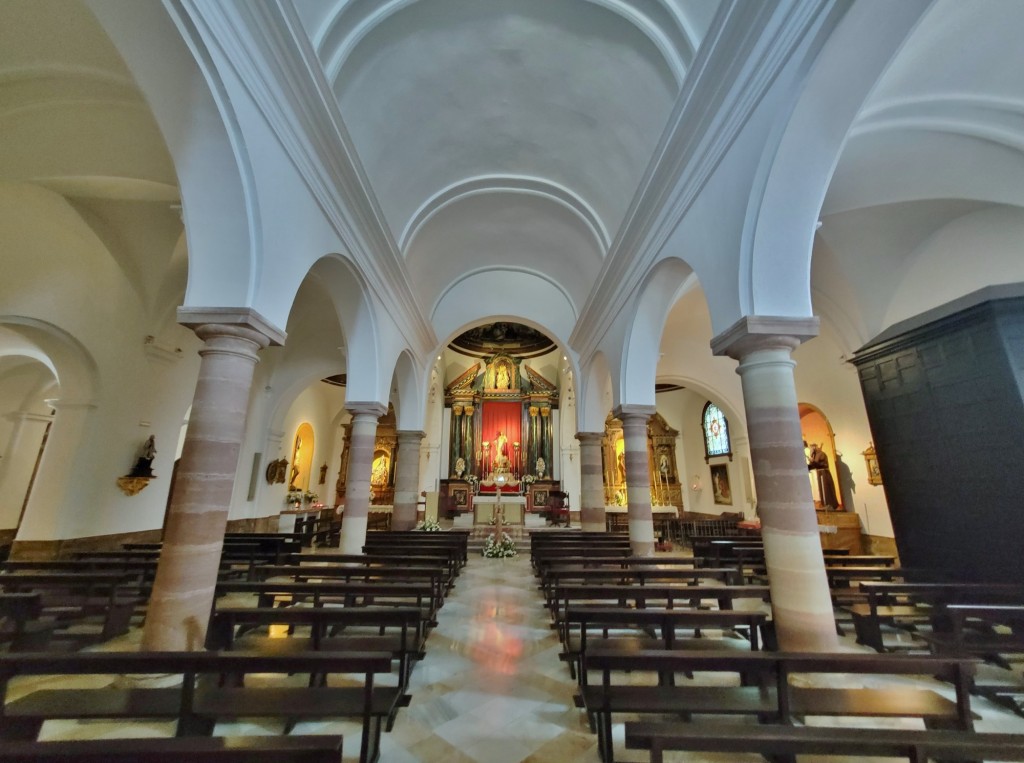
<point x="349" y="23"/>
<point x="718" y="97"/>
<point x="512" y="184"/>
<point x="272" y="55"/>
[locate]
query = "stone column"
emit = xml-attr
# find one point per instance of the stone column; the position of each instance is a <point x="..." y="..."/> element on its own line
<point x="360" y="466"/>
<point x="407" y="480"/>
<point x="591" y="482"/>
<point x="186" y="577"/>
<point x="801" y="603"/>
<point x="638" y="478"/>
<point x="467" y="439"/>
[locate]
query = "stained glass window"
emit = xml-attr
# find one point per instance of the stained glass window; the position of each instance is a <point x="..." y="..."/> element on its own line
<point x="716" y="432"/>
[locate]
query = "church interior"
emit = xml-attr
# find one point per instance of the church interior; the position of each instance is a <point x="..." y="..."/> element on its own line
<point x="633" y="271"/>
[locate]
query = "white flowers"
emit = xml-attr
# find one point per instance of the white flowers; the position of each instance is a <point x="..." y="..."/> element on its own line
<point x="495" y="549"/>
<point x="429" y="526"/>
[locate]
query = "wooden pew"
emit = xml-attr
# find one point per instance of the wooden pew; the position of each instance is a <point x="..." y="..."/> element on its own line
<point x="395" y="630"/>
<point x="458" y="539"/>
<point x="990" y="631"/>
<point x="199" y="702"/>
<point x="638" y="576"/>
<point x="445" y="557"/>
<point x="545" y="567"/>
<point x="104" y="600"/>
<point x="21" y="625"/>
<point x="907" y="605"/>
<point x="435" y="576"/>
<point x="664" y="596"/>
<point x="629" y="630"/>
<point x="421" y="595"/>
<point x="762" y="688"/>
<point x="231" y="749"/>
<point x="783" y="742"/>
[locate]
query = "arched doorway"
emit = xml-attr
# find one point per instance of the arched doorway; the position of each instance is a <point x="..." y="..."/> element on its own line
<point x="820" y="449"/>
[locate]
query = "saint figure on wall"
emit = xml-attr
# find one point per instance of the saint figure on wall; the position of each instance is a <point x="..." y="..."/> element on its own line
<point x="817" y="462"/>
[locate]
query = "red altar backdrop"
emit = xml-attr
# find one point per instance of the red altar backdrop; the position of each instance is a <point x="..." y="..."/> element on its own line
<point x="505" y="418"/>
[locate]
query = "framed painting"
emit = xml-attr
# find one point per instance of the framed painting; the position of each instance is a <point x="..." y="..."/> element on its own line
<point x="460" y="497"/>
<point x="720" y="484"/>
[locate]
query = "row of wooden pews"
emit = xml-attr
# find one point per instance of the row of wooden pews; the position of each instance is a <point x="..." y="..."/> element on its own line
<point x="643" y="648"/>
<point x="355" y="626"/>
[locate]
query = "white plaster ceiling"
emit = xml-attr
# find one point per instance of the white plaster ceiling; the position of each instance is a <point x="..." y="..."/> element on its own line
<point x="73" y="121"/>
<point x="940" y="138"/>
<point x="486" y="127"/>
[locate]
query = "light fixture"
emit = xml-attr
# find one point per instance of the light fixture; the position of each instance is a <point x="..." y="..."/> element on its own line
<point x="696" y="485"/>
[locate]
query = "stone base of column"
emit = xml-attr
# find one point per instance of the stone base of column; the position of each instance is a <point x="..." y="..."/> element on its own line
<point x="353" y="534"/>
<point x="593" y="520"/>
<point x="641" y="537"/>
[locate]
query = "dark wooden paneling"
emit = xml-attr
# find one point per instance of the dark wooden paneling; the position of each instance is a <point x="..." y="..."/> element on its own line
<point x="945" y="402"/>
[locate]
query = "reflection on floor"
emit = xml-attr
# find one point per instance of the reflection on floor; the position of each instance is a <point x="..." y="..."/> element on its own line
<point x="491" y="689"/>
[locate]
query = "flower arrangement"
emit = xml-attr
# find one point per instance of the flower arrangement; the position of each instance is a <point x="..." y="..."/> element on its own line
<point x="474" y="482"/>
<point x="529" y="479"/>
<point x="500" y="549"/>
<point x="429" y="526"/>
<point x="297" y="496"/>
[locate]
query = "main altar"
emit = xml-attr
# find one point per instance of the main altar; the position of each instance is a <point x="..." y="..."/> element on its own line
<point x="500" y="438"/>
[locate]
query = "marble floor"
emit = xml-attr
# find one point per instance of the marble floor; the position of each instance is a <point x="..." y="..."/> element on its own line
<point x="490" y="690"/>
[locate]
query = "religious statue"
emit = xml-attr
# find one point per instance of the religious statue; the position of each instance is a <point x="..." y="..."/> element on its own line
<point x="817" y="462"/>
<point x="501" y="462"/>
<point x="144" y="465"/>
<point x="460" y="467"/>
<point x="541" y="467"/>
<point x="379" y="472"/>
<point x="501" y="377"/>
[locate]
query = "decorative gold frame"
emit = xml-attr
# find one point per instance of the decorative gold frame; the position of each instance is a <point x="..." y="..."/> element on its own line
<point x="871" y="461"/>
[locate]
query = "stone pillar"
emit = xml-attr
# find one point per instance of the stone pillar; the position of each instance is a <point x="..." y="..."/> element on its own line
<point x="801" y="603"/>
<point x="360" y="466"/>
<point x="407" y="480"/>
<point x="467" y="439"/>
<point x="638" y="478"/>
<point x="591" y="482"/>
<point x="186" y="577"/>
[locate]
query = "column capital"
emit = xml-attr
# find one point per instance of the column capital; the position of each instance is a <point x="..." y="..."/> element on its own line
<point x="633" y="411"/>
<point x="764" y="332"/>
<point x="590" y="438"/>
<point x="410" y="436"/>
<point x="197" y="318"/>
<point x="366" y="408"/>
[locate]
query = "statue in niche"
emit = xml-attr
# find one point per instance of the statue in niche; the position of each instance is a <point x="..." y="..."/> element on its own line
<point x="817" y="462"/>
<point x="379" y="472"/>
<point x="502" y="379"/>
<point x="501" y="462"/>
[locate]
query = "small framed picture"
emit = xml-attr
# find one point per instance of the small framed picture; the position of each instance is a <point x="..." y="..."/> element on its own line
<point x="460" y="496"/>
<point x="720" y="484"/>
